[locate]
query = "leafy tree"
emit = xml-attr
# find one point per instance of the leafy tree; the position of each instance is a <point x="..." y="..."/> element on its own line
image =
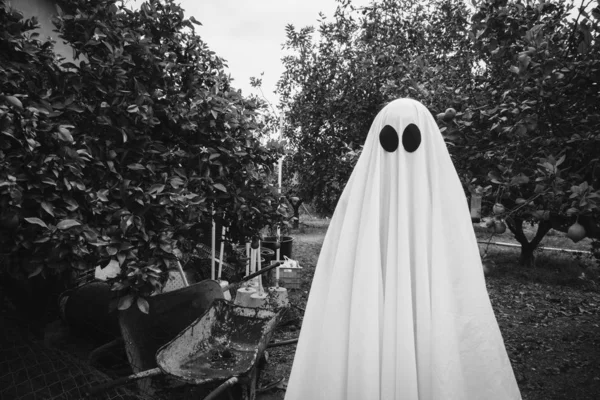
<point x="332" y="88"/>
<point x="122" y="157"/>
<point x="534" y="116"/>
<point x="522" y="77"/>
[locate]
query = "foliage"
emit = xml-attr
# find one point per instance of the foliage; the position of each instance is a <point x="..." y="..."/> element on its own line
<point x="534" y="114"/>
<point x="522" y="76"/>
<point x="542" y="130"/>
<point x="121" y="157"/>
<point x="332" y="88"/>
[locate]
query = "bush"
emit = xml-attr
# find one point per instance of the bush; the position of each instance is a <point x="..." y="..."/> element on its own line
<point x="122" y="157"/>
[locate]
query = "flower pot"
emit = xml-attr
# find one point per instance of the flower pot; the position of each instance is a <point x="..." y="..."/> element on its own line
<point x="267" y="254"/>
<point x="285" y="248"/>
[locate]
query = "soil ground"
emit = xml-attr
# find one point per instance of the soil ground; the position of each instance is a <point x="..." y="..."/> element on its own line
<point x="549" y="315"/>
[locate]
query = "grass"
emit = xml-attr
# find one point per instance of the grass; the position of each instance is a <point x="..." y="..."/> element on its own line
<point x="551" y="267"/>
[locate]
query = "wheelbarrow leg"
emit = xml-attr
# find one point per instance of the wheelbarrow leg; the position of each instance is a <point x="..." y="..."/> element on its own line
<point x="252" y="383"/>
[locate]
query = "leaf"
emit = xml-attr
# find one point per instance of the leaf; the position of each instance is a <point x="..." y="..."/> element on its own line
<point x="194" y="21"/>
<point x="143" y="305"/>
<point x="48" y="208"/>
<point x="67" y="223"/>
<point x="125" y="302"/>
<point x="520" y="129"/>
<point x="519" y="180"/>
<point x="133" y="108"/>
<point x="74" y="107"/>
<point x="136" y="167"/>
<point x="102" y="195"/>
<point x="37" y="221"/>
<point x="176" y="182"/>
<point x="36" y="271"/>
<point x="156" y="189"/>
<point x="64" y="134"/>
<point x="90" y="236"/>
<point x="14" y="101"/>
<point x="220" y="186"/>
<point x="524" y="60"/>
<point x="112" y="270"/>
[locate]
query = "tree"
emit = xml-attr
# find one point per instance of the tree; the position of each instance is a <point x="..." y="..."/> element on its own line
<point x="331" y="89"/>
<point x="122" y="157"/>
<point x="521" y="77"/>
<point x="537" y="129"/>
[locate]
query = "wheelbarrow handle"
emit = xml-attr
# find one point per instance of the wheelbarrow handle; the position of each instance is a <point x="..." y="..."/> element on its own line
<point x="282" y="343"/>
<point x="222" y="387"/>
<point x="254" y="275"/>
<point x="103" y="387"/>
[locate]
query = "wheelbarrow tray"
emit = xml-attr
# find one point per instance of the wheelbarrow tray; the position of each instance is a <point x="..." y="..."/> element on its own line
<point x="227" y="341"/>
<point x="170" y="313"/>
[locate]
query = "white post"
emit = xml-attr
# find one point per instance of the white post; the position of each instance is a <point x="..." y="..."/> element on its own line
<point x="279" y="183"/>
<point x="221" y="252"/>
<point x="279" y="191"/>
<point x="260" y="286"/>
<point x="248" y="258"/>
<point x="213" y="245"/>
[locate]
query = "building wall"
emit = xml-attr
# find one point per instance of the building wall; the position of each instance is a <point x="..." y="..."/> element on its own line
<point x="44" y="10"/>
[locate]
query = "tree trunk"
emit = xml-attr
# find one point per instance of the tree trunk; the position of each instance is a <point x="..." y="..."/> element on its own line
<point x="296" y="206"/>
<point x="527" y="257"/>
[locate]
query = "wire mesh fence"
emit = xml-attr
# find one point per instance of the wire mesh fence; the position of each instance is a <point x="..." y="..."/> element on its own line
<point x="30" y="370"/>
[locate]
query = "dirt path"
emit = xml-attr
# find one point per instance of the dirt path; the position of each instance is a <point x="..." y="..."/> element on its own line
<point x="306" y="249"/>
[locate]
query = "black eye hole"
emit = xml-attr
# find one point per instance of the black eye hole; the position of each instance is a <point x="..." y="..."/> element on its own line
<point x="388" y="137"/>
<point x="411" y="138"/>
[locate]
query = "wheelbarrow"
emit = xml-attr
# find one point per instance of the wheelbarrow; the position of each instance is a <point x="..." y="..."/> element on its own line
<point x="224" y="345"/>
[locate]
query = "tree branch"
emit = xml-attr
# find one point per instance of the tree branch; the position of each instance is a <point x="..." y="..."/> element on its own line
<point x="516" y="227"/>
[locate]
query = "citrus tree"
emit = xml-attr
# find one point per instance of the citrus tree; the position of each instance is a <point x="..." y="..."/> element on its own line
<point x="334" y="84"/>
<point x="513" y="86"/>
<point x="119" y="157"/>
<point x="529" y="127"/>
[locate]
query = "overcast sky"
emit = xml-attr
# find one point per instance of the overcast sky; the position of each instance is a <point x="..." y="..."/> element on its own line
<point x="249" y="34"/>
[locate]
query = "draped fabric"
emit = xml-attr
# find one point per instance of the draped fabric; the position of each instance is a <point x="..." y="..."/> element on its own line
<point x="398" y="307"/>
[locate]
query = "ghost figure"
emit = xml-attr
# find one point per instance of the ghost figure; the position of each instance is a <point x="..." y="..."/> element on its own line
<point x="398" y="307"/>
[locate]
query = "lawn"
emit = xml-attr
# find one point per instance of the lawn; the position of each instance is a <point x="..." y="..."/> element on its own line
<point x="548" y="314"/>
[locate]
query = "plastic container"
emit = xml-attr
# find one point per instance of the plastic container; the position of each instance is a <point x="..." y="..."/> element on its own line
<point x="285" y="248"/>
<point x="290" y="278"/>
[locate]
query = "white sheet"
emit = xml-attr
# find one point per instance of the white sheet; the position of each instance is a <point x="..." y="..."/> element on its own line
<point x="398" y="307"/>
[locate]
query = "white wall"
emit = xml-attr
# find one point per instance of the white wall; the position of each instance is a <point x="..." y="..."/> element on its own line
<point x="44" y="10"/>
